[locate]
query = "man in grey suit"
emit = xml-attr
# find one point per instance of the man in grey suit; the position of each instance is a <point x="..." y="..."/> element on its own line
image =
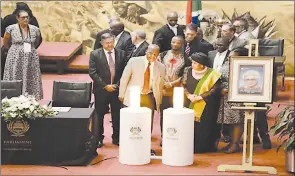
<point x="242" y="32"/>
<point x="229" y="30"/>
<point x="148" y="73"/>
<point x="138" y="38"/>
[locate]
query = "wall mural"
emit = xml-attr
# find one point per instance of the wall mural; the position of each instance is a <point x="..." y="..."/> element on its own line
<point x="79" y="21"/>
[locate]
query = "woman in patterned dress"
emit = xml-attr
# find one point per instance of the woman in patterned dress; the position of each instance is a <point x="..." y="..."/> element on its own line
<point x="22" y="62"/>
<point x="175" y="61"/>
<point x="229" y="116"/>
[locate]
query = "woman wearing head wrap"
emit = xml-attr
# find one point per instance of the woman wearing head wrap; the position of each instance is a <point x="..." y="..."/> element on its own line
<point x="201" y="84"/>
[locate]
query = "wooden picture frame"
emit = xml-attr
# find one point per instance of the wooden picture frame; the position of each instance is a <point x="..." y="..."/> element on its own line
<point x="251" y="79"/>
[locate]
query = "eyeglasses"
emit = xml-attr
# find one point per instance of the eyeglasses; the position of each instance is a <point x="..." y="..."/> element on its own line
<point x="24" y="17"/>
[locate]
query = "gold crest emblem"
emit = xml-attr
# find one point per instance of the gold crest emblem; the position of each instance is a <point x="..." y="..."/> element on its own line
<point x="135" y="130"/>
<point x="18" y="127"/>
<point x="171" y="131"/>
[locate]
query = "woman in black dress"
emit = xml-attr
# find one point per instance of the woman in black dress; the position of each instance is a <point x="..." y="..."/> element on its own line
<point x="201" y="84"/>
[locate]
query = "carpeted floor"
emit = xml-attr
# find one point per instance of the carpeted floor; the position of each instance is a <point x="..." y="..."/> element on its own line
<point x="205" y="164"/>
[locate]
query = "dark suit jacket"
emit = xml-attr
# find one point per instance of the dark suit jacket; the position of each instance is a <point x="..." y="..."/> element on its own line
<point x="163" y="36"/>
<point x="124" y="43"/>
<point x="140" y="51"/>
<point x="196" y="46"/>
<point x="212" y="54"/>
<point x="11" y="19"/>
<point x="97" y="43"/>
<point x="208" y="45"/>
<point x="99" y="69"/>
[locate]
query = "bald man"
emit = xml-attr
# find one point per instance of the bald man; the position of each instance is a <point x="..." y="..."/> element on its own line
<point x="99" y="34"/>
<point x="148" y="73"/>
<point x="163" y="36"/>
<point x="122" y="37"/>
<point x="138" y="38"/>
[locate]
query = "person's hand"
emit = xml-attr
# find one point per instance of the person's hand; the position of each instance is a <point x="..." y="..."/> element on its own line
<point x="224" y="91"/>
<point x="167" y="85"/>
<point x="191" y="97"/>
<point x="121" y="99"/>
<point x="196" y="99"/>
<point x="110" y="88"/>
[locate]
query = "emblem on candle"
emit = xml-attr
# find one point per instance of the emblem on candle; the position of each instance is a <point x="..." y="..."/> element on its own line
<point x="178" y="96"/>
<point x="135" y="133"/>
<point x="135" y="130"/>
<point x="171" y="131"/>
<point x="135" y="96"/>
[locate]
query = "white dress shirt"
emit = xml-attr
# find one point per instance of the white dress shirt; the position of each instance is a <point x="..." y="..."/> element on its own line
<point x="118" y="37"/>
<point x="218" y="60"/>
<point x="151" y="71"/>
<point x="107" y="55"/>
<point x="173" y="28"/>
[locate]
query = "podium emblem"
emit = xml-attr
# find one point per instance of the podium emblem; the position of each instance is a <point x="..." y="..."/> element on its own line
<point x="135" y="130"/>
<point x="18" y="127"/>
<point x="171" y="131"/>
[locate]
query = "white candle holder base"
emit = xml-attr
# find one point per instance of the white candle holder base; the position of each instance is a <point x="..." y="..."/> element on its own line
<point x="135" y="136"/>
<point x="178" y="137"/>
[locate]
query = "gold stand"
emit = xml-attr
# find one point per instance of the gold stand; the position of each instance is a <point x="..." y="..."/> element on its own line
<point x="248" y="144"/>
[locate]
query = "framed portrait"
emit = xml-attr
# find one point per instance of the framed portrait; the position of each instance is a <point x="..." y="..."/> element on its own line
<point x="251" y="79"/>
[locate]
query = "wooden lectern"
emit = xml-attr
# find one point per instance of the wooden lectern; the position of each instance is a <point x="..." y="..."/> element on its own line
<point x="249" y="109"/>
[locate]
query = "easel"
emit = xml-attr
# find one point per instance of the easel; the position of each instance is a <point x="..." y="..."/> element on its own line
<point x="248" y="133"/>
<point x="248" y="144"/>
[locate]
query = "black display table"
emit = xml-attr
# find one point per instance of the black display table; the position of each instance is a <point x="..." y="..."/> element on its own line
<point x="69" y="138"/>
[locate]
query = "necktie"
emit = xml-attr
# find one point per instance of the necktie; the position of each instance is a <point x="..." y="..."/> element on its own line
<point x="111" y="66"/>
<point x="146" y="84"/>
<point x="187" y="49"/>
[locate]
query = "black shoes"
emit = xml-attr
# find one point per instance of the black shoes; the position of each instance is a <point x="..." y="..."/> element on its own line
<point x="100" y="144"/>
<point x="116" y="143"/>
<point x="153" y="152"/>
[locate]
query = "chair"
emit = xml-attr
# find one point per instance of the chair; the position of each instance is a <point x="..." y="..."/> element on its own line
<point x="71" y="94"/>
<point x="274" y="48"/>
<point x="11" y="89"/>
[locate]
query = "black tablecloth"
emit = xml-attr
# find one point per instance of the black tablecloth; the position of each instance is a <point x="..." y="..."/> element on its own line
<point x="69" y="138"/>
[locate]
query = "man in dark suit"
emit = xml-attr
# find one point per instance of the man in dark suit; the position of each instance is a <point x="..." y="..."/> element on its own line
<point x="163" y="36"/>
<point x="216" y="60"/>
<point x="106" y="66"/>
<point x="192" y="44"/>
<point x="138" y="38"/>
<point x="220" y="55"/>
<point x="97" y="43"/>
<point x="122" y="37"/>
<point x="229" y="30"/>
<point x="205" y="42"/>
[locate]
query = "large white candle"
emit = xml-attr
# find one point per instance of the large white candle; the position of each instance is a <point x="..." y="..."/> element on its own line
<point x="178" y="133"/>
<point x="135" y="96"/>
<point x="135" y="132"/>
<point x="178" y="97"/>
